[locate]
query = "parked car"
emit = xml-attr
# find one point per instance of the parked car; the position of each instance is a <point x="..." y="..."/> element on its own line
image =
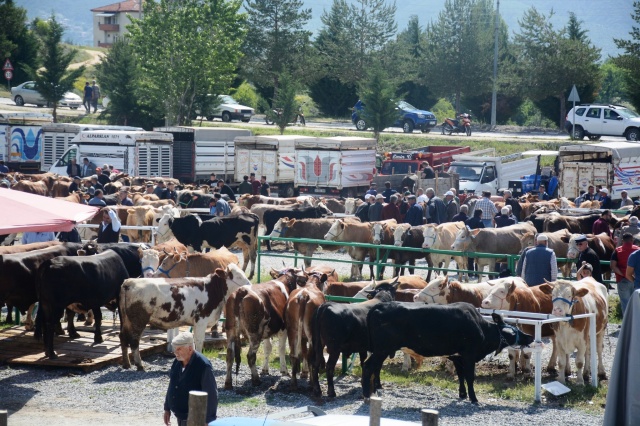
<point x="229" y="109"/>
<point x="596" y="120"/>
<point x="26" y="93"/>
<point x="410" y="118"/>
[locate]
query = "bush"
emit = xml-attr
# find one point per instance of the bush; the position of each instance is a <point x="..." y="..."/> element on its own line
<point x="309" y="107"/>
<point x="615" y="310"/>
<point x="443" y="109"/>
<point x="245" y="94"/>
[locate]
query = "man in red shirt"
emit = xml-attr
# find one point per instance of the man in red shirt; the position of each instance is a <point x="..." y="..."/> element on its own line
<point x="255" y="184"/>
<point x="619" y="265"/>
<point x="602" y="224"/>
<point x="391" y="210"/>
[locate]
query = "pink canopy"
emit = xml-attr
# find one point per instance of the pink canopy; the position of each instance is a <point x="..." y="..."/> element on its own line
<point x="22" y="212"/>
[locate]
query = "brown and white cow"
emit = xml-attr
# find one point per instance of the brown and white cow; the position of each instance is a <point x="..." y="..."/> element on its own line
<point x="171" y="303"/>
<point x="179" y="265"/>
<point x="575" y="298"/>
<point x="257" y="312"/>
<point x="441" y="291"/>
<point x="328" y="270"/>
<point x="602" y="244"/>
<point x="491" y="240"/>
<point x="441" y="237"/>
<point x="247" y="200"/>
<point x="301" y="308"/>
<point x="509" y="296"/>
<point x="354" y="232"/>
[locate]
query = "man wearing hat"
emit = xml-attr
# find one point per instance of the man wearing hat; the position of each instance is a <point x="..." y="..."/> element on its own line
<point x="191" y="371"/>
<point x="170" y="192"/>
<point x="602" y="224"/>
<point x="605" y="200"/>
<point x="619" y="261"/>
<point x="539" y="263"/>
<point x="76" y="185"/>
<point x="109" y="229"/>
<point x="372" y="189"/>
<point x="414" y="216"/>
<point x="362" y="212"/>
<point x="588" y="255"/>
<point x="160" y="188"/>
<point x="516" y="208"/>
<point x="451" y="205"/>
<point x="375" y="210"/>
<point x="123" y="196"/>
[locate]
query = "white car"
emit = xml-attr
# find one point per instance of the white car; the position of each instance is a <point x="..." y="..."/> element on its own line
<point x="596" y="120"/>
<point x="229" y="109"/>
<point x="26" y="93"/>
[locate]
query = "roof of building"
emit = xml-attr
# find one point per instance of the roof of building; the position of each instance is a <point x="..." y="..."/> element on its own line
<point x="123" y="6"/>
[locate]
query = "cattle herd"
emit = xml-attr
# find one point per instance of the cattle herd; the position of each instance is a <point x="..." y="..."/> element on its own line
<point x="174" y="284"/>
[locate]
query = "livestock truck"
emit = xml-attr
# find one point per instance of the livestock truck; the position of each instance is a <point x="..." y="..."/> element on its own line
<point x="614" y="165"/>
<point x="339" y="166"/>
<point x="138" y="153"/>
<point x="270" y="156"/>
<point x="200" y="151"/>
<point x="21" y="139"/>
<point x="402" y="163"/>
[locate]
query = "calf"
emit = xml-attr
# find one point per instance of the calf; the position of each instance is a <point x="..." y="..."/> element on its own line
<point x="343" y="328"/>
<point x="170" y="303"/>
<point x="88" y="281"/>
<point x="179" y="265"/>
<point x="569" y="299"/>
<point x="461" y="334"/>
<point x="140" y="216"/>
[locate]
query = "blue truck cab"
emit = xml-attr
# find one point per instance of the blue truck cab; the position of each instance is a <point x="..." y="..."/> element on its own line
<point x="409" y="118"/>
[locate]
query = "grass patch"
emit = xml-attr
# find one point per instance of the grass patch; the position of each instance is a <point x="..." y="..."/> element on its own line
<point x="234" y="399"/>
<point x="615" y="309"/>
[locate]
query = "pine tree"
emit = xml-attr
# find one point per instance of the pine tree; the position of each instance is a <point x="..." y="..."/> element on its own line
<point x="630" y="60"/>
<point x="17" y="42"/>
<point x="379" y="102"/>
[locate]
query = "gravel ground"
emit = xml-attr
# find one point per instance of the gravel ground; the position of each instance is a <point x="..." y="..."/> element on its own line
<point x="113" y="395"/>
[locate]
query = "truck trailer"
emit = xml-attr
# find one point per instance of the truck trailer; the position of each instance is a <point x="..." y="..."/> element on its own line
<point x="402" y="163"/>
<point x="21" y="139"/>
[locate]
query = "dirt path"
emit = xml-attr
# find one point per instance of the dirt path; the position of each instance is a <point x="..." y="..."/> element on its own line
<point x="95" y="58"/>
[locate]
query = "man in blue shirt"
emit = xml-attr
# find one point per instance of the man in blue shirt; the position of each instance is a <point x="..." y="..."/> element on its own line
<point x="414" y="216"/>
<point x="37" y="237"/>
<point x="372" y="190"/>
<point x="218" y="206"/>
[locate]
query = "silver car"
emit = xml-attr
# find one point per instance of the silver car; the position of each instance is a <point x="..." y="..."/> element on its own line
<point x="26" y="93"/>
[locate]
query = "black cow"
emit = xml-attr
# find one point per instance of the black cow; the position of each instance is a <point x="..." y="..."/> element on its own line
<point x="18" y="275"/>
<point x="272" y="216"/>
<point x="240" y="230"/>
<point x="343" y="328"/>
<point x="128" y="252"/>
<point x="88" y="282"/>
<point x="413" y="237"/>
<point x="194" y="200"/>
<point x="457" y="331"/>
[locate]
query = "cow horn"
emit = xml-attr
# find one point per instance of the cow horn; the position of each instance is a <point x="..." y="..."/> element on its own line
<point x="396" y="282"/>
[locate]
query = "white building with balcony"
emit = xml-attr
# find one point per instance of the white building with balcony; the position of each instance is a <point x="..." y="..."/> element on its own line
<point x="110" y="22"/>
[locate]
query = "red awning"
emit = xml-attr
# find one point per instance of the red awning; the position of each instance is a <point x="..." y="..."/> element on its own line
<point x="22" y="212"/>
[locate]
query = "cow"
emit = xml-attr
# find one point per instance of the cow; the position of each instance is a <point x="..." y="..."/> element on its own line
<point x="342" y="328"/>
<point x="602" y="244"/>
<point x="441" y="291"/>
<point x="273" y="215"/>
<point x="555" y="242"/>
<point x="461" y="334"/>
<point x="149" y="261"/>
<point x="510" y="296"/>
<point x="491" y="240"/>
<point x="382" y="233"/>
<point x="161" y="220"/>
<point x="328" y="270"/>
<point x="170" y="246"/>
<point x="441" y="237"/>
<point x="140" y="216"/>
<point x="18" y="273"/>
<point x="37" y="188"/>
<point x="169" y="303"/>
<point x="569" y="299"/>
<point x="128" y="252"/>
<point x="405" y="235"/>
<point x="405" y="282"/>
<point x="77" y="197"/>
<point x="336" y="205"/>
<point x="177" y="265"/>
<point x="87" y="281"/>
<point x="351" y="289"/>
<point x="238" y="230"/>
<point x="575" y="224"/>
<point x="298" y="318"/>
<point x="314" y="229"/>
<point x="247" y="200"/>
<point x="354" y="232"/>
<point x="257" y="312"/>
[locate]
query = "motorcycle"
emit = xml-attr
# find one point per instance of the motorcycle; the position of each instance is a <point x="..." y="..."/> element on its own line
<point x="462" y="124"/>
<point x="298" y="118"/>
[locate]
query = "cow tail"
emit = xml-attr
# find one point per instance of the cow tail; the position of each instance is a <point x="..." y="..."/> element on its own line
<point x="303" y="299"/>
<point x="238" y="310"/>
<point x="37" y="334"/>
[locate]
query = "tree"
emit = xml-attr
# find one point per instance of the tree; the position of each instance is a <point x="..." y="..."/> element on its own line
<point x="285" y="101"/>
<point x="459" y="54"/>
<point x="380" y="105"/>
<point x="184" y="49"/>
<point x="630" y="60"/>
<point x="17" y="42"/>
<point x="53" y="80"/>
<point x="277" y="41"/>
<point x="549" y="62"/>
<point x="612" y="90"/>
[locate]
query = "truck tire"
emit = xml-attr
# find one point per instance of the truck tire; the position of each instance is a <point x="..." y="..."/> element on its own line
<point x="594" y="137"/>
<point x="286" y="191"/>
<point x="361" y="124"/>
<point x="578" y="133"/>
<point x="632" y="134"/>
<point x="407" y="126"/>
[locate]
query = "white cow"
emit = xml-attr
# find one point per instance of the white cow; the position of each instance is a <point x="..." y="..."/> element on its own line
<point x="161" y="220"/>
<point x="442" y="237"/>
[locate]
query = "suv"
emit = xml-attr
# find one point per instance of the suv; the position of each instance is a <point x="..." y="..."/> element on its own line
<point x="410" y="118"/>
<point x="595" y="120"/>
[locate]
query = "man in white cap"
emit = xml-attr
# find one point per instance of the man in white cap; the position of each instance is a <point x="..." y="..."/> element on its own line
<point x="605" y="199"/>
<point x="625" y="200"/>
<point x="632" y="229"/>
<point x="503" y="219"/>
<point x="191" y="371"/>
<point x="451" y="205"/>
<point x="362" y="212"/>
<point x="540" y="263"/>
<point x="375" y="210"/>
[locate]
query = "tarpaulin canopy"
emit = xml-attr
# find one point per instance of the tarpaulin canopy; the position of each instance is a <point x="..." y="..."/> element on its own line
<point x="23" y="212"/>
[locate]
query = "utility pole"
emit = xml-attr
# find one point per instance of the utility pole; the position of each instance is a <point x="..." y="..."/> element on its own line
<point x="494" y="94"/>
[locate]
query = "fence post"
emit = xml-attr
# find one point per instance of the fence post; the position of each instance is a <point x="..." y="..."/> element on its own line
<point x="375" y="411"/>
<point x="378" y="264"/>
<point x="197" y="408"/>
<point x="4" y="417"/>
<point x="429" y="417"/>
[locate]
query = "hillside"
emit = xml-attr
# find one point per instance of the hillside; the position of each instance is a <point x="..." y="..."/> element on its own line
<point x="604" y="20"/>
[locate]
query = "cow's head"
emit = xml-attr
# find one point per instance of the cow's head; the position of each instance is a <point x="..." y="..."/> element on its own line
<point x="91" y="247"/>
<point x="281" y="226"/>
<point x="572" y="251"/>
<point x="287" y="276"/>
<point x="377" y="229"/>
<point x="500" y="295"/>
<point x="435" y="292"/>
<point x="564" y="295"/>
<point x="323" y="210"/>
<point x="318" y="279"/>
<point x="400" y="233"/>
<point x="336" y="230"/>
<point x="364" y="293"/>
<point x="510" y="336"/>
<point x="385" y="292"/>
<point x="464" y="239"/>
<point x="149" y="261"/>
<point x="235" y="277"/>
<point x="169" y="263"/>
<point x="430" y="235"/>
<point x="350" y="206"/>
<point x="528" y="239"/>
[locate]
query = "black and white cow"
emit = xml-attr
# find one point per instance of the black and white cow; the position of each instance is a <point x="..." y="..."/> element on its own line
<point x="236" y="230"/>
<point x="461" y="334"/>
<point x="88" y="282"/>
